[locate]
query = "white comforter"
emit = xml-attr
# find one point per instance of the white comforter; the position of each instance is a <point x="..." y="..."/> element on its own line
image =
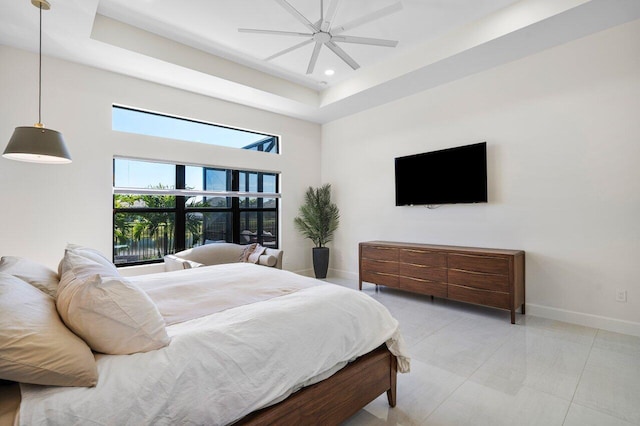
<point x="222" y="366"/>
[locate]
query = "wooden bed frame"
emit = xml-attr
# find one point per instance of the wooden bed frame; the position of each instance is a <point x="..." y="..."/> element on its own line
<point x="337" y="398"/>
<point x="326" y="403"/>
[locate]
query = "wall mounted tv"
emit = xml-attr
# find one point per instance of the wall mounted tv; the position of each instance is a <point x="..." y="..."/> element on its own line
<point x="448" y="176"/>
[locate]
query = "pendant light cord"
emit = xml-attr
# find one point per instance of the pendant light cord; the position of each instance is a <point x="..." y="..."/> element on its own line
<point x="40" y="71"/>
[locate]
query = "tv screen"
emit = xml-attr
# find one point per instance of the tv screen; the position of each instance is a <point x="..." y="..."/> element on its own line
<point x="448" y="176"/>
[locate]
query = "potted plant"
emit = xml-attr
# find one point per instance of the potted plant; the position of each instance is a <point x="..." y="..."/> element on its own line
<point x="318" y="219"/>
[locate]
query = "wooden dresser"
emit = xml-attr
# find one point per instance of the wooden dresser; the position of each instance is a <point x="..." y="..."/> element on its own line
<point x="491" y="277"/>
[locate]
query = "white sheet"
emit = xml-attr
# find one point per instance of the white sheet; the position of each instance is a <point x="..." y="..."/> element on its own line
<point x="193" y="293"/>
<point x="223" y="366"/>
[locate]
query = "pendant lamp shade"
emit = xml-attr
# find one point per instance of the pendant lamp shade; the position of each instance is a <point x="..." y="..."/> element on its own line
<point x="36" y="144"/>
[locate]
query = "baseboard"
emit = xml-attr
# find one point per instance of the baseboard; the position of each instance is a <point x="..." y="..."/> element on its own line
<point x="342" y="274"/>
<point x="580" y="318"/>
<point x="331" y="273"/>
<point x="589" y="320"/>
<point x="305" y="272"/>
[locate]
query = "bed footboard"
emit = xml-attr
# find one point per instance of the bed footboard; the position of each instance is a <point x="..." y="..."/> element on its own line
<point x="337" y="398"/>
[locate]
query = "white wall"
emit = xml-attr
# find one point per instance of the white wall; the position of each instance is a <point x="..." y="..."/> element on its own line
<point x="563" y="134"/>
<point x="564" y="141"/>
<point x="46" y="206"/>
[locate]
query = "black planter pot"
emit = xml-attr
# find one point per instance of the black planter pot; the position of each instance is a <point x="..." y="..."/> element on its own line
<point x="320" y="261"/>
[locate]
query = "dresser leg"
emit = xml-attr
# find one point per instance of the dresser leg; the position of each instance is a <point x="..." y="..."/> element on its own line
<point x="513" y="316"/>
<point x="522" y="309"/>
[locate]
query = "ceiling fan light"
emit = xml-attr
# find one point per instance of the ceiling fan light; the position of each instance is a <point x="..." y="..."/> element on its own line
<point x="37" y="145"/>
<point x="323" y="33"/>
<point x="329" y="72"/>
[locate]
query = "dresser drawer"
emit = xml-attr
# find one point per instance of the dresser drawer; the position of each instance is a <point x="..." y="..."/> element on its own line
<point x="479" y="280"/>
<point x="423" y="257"/>
<point x="496" y="299"/>
<point x="490" y="277"/>
<point x="369" y="265"/>
<point x="380" y="253"/>
<point x="380" y="278"/>
<point x="468" y="262"/>
<point x="423" y="272"/>
<point x="416" y="285"/>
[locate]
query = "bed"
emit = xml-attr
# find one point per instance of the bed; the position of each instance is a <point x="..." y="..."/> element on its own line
<point x="248" y="345"/>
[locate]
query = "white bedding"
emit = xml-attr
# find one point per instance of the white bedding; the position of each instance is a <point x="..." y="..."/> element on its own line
<point x="222" y="366"/>
<point x="193" y="293"/>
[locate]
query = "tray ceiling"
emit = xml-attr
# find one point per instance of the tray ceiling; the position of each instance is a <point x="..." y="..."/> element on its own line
<point x="195" y="44"/>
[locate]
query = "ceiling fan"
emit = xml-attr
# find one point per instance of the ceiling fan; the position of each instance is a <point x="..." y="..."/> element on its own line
<point x="323" y="32"/>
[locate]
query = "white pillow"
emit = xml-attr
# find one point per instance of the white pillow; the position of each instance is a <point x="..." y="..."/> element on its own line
<point x="254" y="257"/>
<point x="87" y="253"/>
<point x="39" y="276"/>
<point x="246" y="251"/>
<point x="111" y="314"/>
<point x="35" y="346"/>
<point x="267" y="260"/>
<point x="175" y="263"/>
<point x="83" y="267"/>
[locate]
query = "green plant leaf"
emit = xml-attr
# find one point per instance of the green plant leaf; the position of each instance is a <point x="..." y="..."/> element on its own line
<point x="318" y="218"/>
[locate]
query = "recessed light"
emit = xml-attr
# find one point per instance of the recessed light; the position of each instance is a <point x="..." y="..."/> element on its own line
<point x="329" y="72"/>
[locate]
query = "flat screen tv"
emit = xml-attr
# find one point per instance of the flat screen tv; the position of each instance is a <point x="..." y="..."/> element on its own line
<point x="448" y="176"/>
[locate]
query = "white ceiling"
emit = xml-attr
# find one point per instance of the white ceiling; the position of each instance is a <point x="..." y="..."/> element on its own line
<point x="213" y="27"/>
<point x="195" y="44"/>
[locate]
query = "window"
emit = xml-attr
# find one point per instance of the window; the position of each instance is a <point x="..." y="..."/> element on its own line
<point x="131" y="120"/>
<point x="160" y="208"/>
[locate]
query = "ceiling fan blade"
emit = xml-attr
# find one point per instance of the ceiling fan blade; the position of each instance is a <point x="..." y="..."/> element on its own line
<point x="367" y="18"/>
<point x="365" y="40"/>
<point x="342" y="54"/>
<point x="290" y="49"/>
<point x="314" y="57"/>
<point x="273" y="32"/>
<point x="292" y="10"/>
<point x="331" y="13"/>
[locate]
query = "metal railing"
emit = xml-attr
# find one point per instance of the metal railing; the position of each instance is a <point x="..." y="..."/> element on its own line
<point x="132" y="244"/>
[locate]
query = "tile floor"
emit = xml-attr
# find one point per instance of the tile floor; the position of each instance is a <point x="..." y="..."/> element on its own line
<point x="470" y="366"/>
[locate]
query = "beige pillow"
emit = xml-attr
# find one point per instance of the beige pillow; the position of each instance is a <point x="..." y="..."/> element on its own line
<point x="111" y="314"/>
<point x="32" y="272"/>
<point x="35" y="346"/>
<point x="175" y="263"/>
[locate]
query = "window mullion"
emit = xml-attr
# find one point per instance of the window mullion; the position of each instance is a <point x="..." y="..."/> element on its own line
<point x="181" y="217"/>
<point x="260" y="205"/>
<point x="235" y="207"/>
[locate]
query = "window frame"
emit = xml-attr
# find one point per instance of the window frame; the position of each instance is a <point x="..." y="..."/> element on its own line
<point x="180" y="209"/>
<point x="272" y="142"/>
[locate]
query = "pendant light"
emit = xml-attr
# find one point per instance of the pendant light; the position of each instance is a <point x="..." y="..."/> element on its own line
<point x="35" y="144"/>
